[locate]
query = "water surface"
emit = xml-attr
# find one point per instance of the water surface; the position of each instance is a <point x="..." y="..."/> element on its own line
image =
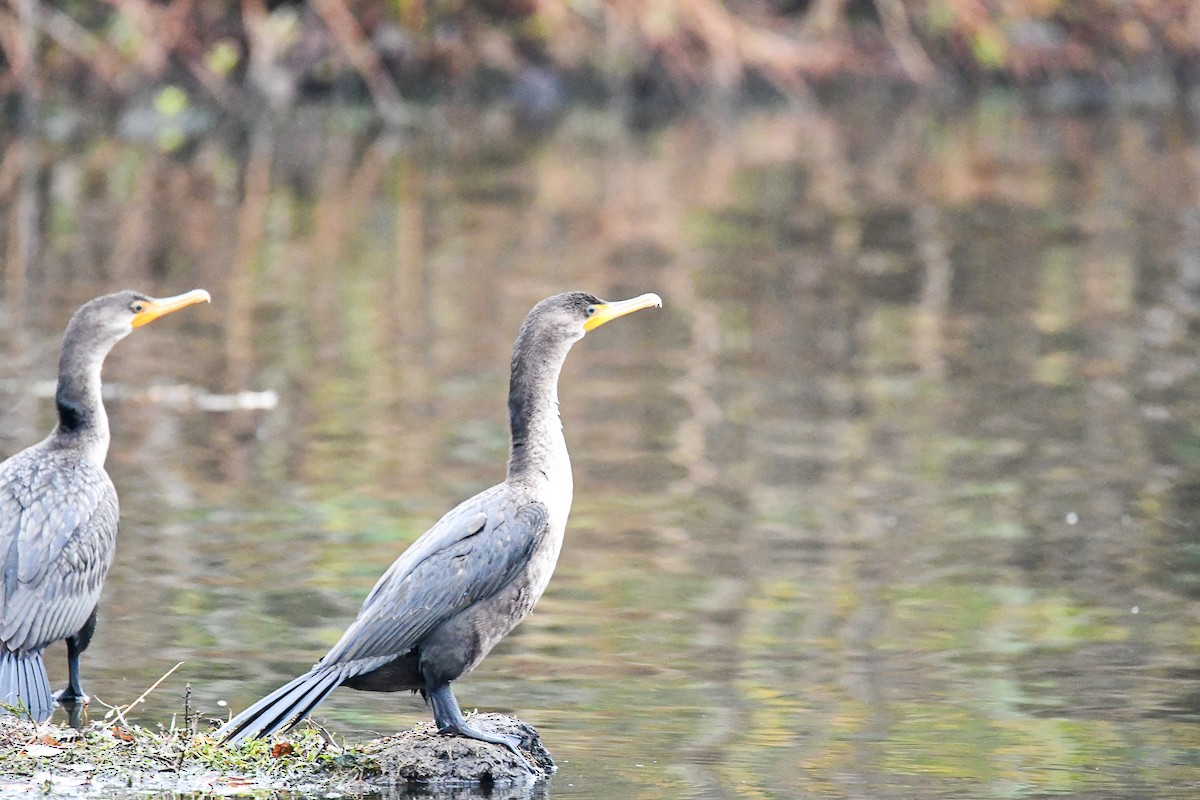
<point x="897" y="495"/>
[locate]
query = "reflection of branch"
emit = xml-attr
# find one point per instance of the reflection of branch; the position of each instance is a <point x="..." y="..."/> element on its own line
<point x="26" y="232"/>
<point x="240" y="344"/>
<point x="251" y="230"/>
<point x="19" y="174"/>
<point x="912" y="57"/>
<point x="12" y="44"/>
<point x="151" y="51"/>
<point x="411" y="317"/>
<point x="104" y="62"/>
<point x="163" y="30"/>
<point x="177" y="395"/>
<point x="137" y="232"/>
<point x="698" y="390"/>
<point x="935" y="296"/>
<point x="353" y="42"/>
<point x="10" y="168"/>
<point x="825" y="15"/>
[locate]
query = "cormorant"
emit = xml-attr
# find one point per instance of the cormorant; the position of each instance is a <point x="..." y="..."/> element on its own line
<point x="58" y="510"/>
<point x="468" y="580"/>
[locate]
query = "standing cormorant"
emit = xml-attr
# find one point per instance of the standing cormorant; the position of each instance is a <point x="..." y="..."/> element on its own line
<point x="58" y="510"/>
<point x="468" y="580"/>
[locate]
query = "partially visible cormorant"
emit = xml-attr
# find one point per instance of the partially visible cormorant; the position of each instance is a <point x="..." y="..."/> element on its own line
<point x="468" y="580"/>
<point x="58" y="510"/>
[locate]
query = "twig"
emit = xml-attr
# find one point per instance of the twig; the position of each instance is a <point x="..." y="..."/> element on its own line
<point x="187" y="706"/>
<point x="155" y="685"/>
<point x="19" y="710"/>
<point x="122" y="712"/>
<point x="325" y="734"/>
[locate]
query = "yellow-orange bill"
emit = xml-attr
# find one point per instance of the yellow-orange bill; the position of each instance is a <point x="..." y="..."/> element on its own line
<point x="606" y="312"/>
<point x="156" y="307"/>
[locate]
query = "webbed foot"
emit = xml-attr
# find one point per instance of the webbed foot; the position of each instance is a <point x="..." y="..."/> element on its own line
<point x="72" y="695"/>
<point x="451" y="722"/>
<point x="511" y="742"/>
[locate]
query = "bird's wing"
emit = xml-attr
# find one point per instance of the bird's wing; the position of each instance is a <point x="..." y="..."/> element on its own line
<point x="58" y="527"/>
<point x="470" y="554"/>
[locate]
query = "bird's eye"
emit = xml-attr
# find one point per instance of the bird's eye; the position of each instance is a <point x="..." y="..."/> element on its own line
<point x="591" y="311"/>
<point x="137" y="308"/>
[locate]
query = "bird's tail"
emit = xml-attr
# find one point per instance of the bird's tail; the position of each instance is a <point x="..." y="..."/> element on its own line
<point x="24" y="686"/>
<point x="283" y="708"/>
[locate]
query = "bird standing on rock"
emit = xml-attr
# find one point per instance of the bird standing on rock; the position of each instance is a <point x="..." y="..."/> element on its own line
<point x="471" y="578"/>
<point x="58" y="511"/>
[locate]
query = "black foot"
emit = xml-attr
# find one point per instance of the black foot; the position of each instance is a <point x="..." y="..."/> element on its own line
<point x="75" y="645"/>
<point x="466" y="731"/>
<point x="511" y="742"/>
<point x="72" y="695"/>
<point x="451" y="722"/>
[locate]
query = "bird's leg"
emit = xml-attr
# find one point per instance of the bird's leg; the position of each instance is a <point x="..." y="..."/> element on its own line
<point x="73" y="694"/>
<point x="450" y="720"/>
<point x="76" y="644"/>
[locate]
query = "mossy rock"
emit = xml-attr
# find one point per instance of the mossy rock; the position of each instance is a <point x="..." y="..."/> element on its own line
<point x="107" y="757"/>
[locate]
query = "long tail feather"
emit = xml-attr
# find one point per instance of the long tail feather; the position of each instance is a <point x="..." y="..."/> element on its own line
<point x="24" y="686"/>
<point x="283" y="708"/>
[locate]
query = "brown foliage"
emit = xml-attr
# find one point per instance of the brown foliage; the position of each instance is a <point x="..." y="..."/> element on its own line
<point x="232" y="50"/>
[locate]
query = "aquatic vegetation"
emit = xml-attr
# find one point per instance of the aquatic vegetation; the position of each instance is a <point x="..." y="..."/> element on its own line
<point x="109" y="754"/>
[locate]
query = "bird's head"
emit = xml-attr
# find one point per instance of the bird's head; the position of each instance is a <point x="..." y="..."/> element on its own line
<point x="112" y="317"/>
<point x="568" y="316"/>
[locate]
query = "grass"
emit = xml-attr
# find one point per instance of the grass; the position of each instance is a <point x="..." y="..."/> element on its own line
<point x="110" y="754"/>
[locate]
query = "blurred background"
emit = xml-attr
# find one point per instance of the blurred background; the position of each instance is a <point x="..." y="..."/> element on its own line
<point x="898" y="495"/>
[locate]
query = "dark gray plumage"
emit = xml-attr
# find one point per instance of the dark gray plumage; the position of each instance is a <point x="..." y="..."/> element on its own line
<point x="472" y="577"/>
<point x="58" y="510"/>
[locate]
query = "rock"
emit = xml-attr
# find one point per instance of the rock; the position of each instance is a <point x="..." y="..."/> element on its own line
<point x="423" y="757"/>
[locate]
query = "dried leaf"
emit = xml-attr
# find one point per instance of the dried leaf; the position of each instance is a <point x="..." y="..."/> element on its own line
<point x="121" y="733"/>
<point x="36" y="750"/>
<point x="282" y="749"/>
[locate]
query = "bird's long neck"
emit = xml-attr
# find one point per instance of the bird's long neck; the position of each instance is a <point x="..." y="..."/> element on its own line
<point x="82" y="420"/>
<point x="538" y="450"/>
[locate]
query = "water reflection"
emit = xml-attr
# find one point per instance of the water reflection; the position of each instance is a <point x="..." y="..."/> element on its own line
<point x="895" y="496"/>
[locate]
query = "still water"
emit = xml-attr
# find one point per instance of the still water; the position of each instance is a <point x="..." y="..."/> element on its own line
<point x="897" y="496"/>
